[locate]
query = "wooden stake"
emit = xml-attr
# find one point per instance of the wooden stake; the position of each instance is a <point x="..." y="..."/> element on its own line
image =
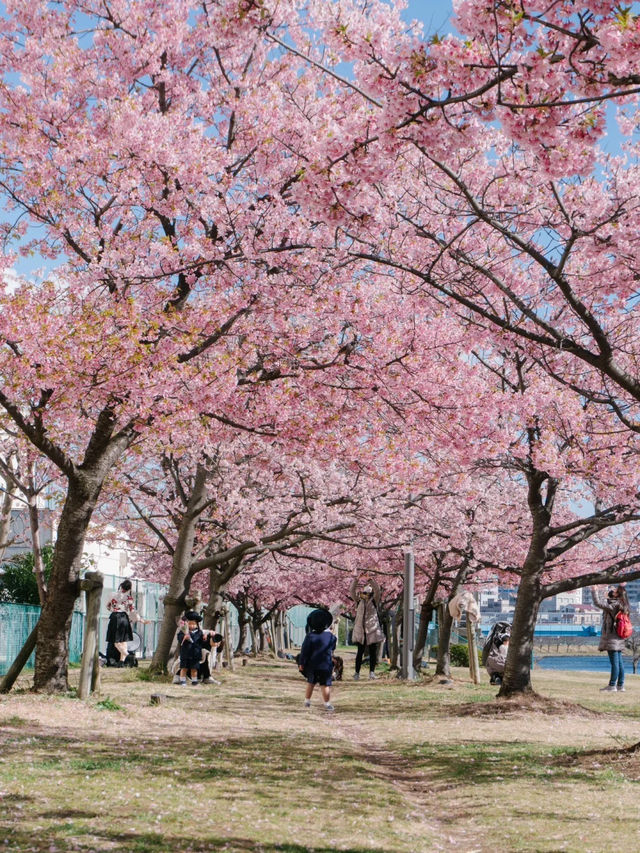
<point x="92" y="585"/>
<point x="20" y="662"/>
<point x="474" y="669"/>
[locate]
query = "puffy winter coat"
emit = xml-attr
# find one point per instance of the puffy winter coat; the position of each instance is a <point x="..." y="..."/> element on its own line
<point x="496" y="659"/>
<point x="609" y="639"/>
<point x="367" y="623"/>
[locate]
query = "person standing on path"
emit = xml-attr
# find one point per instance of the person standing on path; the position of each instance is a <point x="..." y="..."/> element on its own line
<point x="610" y="642"/>
<point x="367" y="631"/>
<point x="315" y="661"/>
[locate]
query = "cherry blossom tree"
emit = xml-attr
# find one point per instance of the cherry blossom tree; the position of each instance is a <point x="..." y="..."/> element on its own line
<point x="140" y="163"/>
<point x="497" y="206"/>
<point x="227" y="221"/>
<point x="204" y="518"/>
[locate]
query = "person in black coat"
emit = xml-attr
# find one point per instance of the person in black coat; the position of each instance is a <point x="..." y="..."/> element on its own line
<point x="315" y="661"/>
<point x="214" y="644"/>
<point x="190" y="639"/>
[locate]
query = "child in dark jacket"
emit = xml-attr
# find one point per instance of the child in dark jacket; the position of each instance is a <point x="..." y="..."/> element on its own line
<point x="190" y="639"/>
<point x="315" y="661"/>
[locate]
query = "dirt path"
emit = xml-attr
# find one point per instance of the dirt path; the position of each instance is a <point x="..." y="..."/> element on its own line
<point x="397" y="768"/>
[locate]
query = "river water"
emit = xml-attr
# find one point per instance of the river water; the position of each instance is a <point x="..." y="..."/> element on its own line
<point x="586" y="663"/>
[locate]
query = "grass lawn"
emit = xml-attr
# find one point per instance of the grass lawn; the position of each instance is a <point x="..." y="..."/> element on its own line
<point x="244" y="767"/>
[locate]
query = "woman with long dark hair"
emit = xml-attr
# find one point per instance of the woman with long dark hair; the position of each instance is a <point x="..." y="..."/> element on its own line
<point x="123" y="609"/>
<point x="610" y="641"/>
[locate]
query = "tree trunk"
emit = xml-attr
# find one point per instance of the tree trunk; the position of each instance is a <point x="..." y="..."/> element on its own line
<point x="92" y="584"/>
<point x="213" y="610"/>
<point x="5" y="516"/>
<point x="394" y="652"/>
<point x="275" y="648"/>
<point x="517" y="671"/>
<point x="254" y="639"/>
<point x="426" y="615"/>
<point x="243" y="626"/>
<point x="472" y="645"/>
<point x="174" y="602"/>
<point x="445" y="623"/>
<point x="36" y="545"/>
<point x="227" y="638"/>
<point x="52" y="646"/>
<point x="279" y="637"/>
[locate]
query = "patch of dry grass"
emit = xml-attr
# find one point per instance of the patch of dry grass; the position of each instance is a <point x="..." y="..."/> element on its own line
<point x="243" y="767"/>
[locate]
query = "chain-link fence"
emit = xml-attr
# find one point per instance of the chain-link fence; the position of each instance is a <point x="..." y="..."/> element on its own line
<point x="16" y="623"/>
<point x="18" y="620"/>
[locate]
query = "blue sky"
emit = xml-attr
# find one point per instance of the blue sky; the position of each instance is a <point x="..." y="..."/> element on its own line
<point x="435" y="14"/>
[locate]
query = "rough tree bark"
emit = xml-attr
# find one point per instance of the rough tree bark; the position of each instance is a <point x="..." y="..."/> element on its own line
<point x="36" y="545"/>
<point x="52" y="642"/>
<point x="426" y="615"/>
<point x="243" y="623"/>
<point x="5" y="516"/>
<point x="517" y="673"/>
<point x="174" y="602"/>
<point x="445" y="623"/>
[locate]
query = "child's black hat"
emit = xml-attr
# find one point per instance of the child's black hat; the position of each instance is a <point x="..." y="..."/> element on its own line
<point x="192" y="616"/>
<point x="319" y="620"/>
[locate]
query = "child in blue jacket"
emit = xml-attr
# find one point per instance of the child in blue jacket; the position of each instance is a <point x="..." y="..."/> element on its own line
<point x="315" y="661"/>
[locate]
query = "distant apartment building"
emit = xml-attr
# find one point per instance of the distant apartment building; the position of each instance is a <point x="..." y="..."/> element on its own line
<point x="107" y="558"/>
<point x="19" y="538"/>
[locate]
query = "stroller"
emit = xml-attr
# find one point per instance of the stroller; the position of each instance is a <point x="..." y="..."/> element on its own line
<point x="494" y="652"/>
<point x="112" y="657"/>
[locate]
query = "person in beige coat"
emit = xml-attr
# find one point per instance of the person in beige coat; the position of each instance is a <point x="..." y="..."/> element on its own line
<point x="367" y="631"/>
<point x="616" y="602"/>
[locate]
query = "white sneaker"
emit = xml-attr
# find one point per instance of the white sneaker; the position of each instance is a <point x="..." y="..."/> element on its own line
<point x="621" y="688"/>
<point x="610" y="688"/>
<point x="356" y="676"/>
<point x="372" y="676"/>
<point x="307" y="703"/>
<point x="210" y="681"/>
<point x="328" y="706"/>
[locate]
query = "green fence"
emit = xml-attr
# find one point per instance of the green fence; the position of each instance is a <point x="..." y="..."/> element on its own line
<point x="18" y="620"/>
<point x="16" y="623"/>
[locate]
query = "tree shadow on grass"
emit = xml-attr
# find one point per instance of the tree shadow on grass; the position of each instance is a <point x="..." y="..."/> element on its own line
<point x="480" y="764"/>
<point x="21" y="841"/>
<point x="259" y="772"/>
<point x="275" y="759"/>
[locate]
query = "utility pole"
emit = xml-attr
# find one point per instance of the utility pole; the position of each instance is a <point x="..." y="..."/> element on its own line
<point x="408" y="620"/>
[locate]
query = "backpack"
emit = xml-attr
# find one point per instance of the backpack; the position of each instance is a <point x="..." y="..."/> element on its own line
<point x="624" y="628"/>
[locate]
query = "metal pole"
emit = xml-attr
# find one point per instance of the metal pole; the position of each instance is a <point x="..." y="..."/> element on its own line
<point x="408" y="619"/>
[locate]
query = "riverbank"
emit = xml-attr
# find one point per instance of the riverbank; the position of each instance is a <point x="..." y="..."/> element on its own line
<point x="560" y="646"/>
